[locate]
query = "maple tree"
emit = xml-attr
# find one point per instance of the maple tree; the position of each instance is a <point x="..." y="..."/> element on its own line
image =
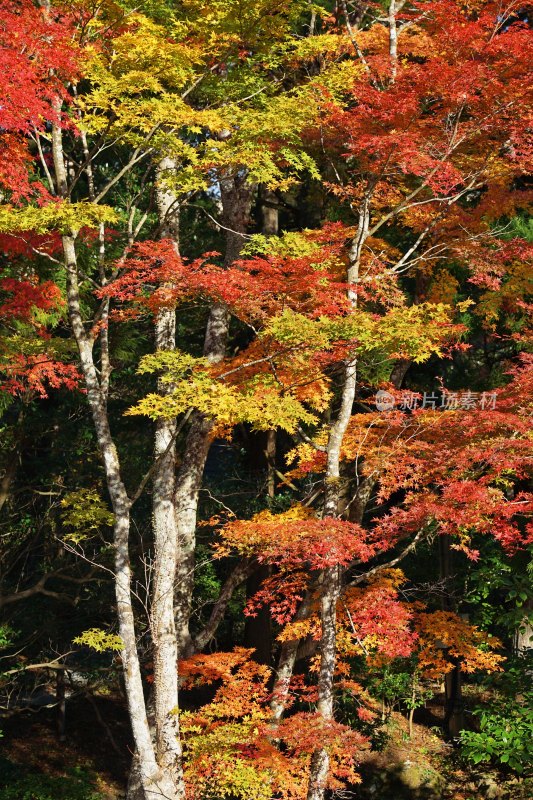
<point x="411" y="122"/>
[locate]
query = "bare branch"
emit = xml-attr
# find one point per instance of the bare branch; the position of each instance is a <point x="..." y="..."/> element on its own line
<point x="241" y="572"/>
<point x="381" y="567"/>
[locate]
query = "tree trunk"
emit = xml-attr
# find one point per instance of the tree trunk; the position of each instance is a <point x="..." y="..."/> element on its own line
<point x="237" y="576"/>
<point x="454" y="710"/>
<point x="331" y="584"/>
<point x="155" y="781"/>
<point x="524" y="634"/>
<point x="236" y="202"/>
<point x="270" y="453"/>
<point x="286" y="662"/>
<point x="258" y="629"/>
<point x="164" y="698"/>
<point x="291" y="651"/>
<point x="188" y="483"/>
<point x="9" y="474"/>
<point x="166" y="553"/>
<point x="270" y="227"/>
<point x="332" y="576"/>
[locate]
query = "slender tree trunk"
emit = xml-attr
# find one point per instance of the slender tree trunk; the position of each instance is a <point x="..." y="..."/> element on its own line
<point x="361" y="498"/>
<point x="258" y="629"/>
<point x="238" y="575"/>
<point x="454" y="712"/>
<point x="236" y="202"/>
<point x="292" y="650"/>
<point x="332" y="576"/>
<point x="156" y="782"/>
<point x="9" y="475"/>
<point x="286" y="662"/>
<point x="270" y="452"/>
<point x="270" y="227"/>
<point x="164" y="702"/>
<point x="166" y="553"/>
<point x="188" y="483"/>
<point x="331" y="585"/>
<point x="393" y="39"/>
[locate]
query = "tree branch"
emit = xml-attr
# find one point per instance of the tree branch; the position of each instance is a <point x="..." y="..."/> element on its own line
<point x="239" y="574"/>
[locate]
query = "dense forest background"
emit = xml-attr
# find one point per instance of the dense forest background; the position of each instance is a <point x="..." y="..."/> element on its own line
<point x="265" y="394"/>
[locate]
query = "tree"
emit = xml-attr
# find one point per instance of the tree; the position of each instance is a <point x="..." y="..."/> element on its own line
<point x="116" y="86"/>
<point x="418" y="151"/>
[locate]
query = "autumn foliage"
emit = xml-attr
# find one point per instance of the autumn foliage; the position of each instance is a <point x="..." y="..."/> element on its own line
<point x="409" y="129"/>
